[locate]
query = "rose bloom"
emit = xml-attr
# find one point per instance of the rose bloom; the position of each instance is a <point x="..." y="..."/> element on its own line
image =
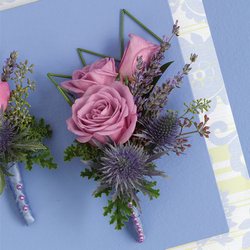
<point x="4" y="95"/>
<point x="137" y="47"/>
<point x="104" y="111"/>
<point x="101" y="72"/>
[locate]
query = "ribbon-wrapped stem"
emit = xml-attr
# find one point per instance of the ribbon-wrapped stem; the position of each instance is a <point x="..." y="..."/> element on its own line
<point x="17" y="187"/>
<point x="137" y="223"/>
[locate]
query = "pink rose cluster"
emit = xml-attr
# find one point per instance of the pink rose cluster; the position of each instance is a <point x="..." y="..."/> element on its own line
<point x="105" y="107"/>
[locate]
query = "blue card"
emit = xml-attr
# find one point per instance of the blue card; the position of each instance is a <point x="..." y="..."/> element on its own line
<point x="231" y="43"/>
<point x="68" y="217"/>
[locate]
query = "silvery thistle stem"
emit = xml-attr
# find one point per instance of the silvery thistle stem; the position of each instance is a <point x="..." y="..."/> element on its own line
<point x="17" y="187"/>
<point x="137" y="223"/>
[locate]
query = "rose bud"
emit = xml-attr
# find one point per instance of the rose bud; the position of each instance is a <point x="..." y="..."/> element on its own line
<point x="137" y="47"/>
<point x="4" y="95"/>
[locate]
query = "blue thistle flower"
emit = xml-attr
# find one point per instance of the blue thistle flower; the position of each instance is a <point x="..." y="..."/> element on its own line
<point x="7" y="134"/>
<point x="124" y="169"/>
<point x="162" y="131"/>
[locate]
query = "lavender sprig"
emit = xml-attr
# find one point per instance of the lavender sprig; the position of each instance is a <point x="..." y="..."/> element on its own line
<point x="142" y="82"/>
<point x="159" y="97"/>
<point x="144" y="75"/>
<point x="9" y="66"/>
<point x="176" y="29"/>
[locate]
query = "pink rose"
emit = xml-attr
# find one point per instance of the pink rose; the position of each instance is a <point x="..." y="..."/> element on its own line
<point x="4" y="95"/>
<point x="137" y="47"/>
<point x="101" y="72"/>
<point x="104" y="111"/>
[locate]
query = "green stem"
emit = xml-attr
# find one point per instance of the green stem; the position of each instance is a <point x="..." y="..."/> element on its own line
<point x="183" y="115"/>
<point x="83" y="61"/>
<point x="63" y="93"/>
<point x="142" y="25"/>
<point x="189" y="133"/>
<point x="60" y="75"/>
<point x="122" y="31"/>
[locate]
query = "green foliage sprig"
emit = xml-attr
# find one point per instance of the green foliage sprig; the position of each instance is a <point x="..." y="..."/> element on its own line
<point x="85" y="152"/>
<point x="21" y="134"/>
<point x="198" y="106"/>
<point x="119" y="212"/>
<point x="18" y="109"/>
<point x="187" y="120"/>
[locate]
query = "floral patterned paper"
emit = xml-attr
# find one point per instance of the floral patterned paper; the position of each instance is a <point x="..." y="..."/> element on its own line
<point x="224" y="145"/>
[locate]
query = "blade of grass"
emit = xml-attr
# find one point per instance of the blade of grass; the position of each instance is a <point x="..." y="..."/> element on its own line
<point x="83" y="61"/>
<point x="122" y="13"/>
<point x="62" y="91"/>
<point x="143" y="26"/>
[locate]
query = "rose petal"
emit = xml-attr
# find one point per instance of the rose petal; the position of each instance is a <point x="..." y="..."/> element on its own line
<point x="77" y="86"/>
<point x="84" y="139"/>
<point x="102" y="72"/>
<point x="4" y="95"/>
<point x="74" y="128"/>
<point x="126" y="133"/>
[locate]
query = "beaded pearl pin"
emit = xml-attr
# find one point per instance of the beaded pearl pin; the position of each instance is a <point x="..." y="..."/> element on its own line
<point x="137" y="223"/>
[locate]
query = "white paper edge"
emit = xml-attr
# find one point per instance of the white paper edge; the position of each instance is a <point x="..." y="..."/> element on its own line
<point x="8" y="5"/>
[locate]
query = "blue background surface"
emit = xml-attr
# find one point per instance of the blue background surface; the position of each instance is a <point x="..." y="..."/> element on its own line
<point x="67" y="216"/>
<point x="230" y="27"/>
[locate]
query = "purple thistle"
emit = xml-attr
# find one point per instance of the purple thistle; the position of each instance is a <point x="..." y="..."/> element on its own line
<point x="7" y="133"/>
<point x="124" y="169"/>
<point x="163" y="131"/>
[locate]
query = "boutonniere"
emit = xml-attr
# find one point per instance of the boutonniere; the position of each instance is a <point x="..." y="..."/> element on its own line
<point x="122" y="124"/>
<point x="21" y="134"/>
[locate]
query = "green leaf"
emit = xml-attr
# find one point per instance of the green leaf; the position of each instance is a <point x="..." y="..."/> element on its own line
<point x="108" y="209"/>
<point x="79" y="150"/>
<point x="102" y="190"/>
<point x="198" y="106"/>
<point x="164" y="67"/>
<point x="99" y="193"/>
<point x="30" y="146"/>
<point x="42" y="158"/>
<point x="39" y="130"/>
<point x="119" y="212"/>
<point x="89" y="173"/>
<point x="149" y="189"/>
<point x="2" y="181"/>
